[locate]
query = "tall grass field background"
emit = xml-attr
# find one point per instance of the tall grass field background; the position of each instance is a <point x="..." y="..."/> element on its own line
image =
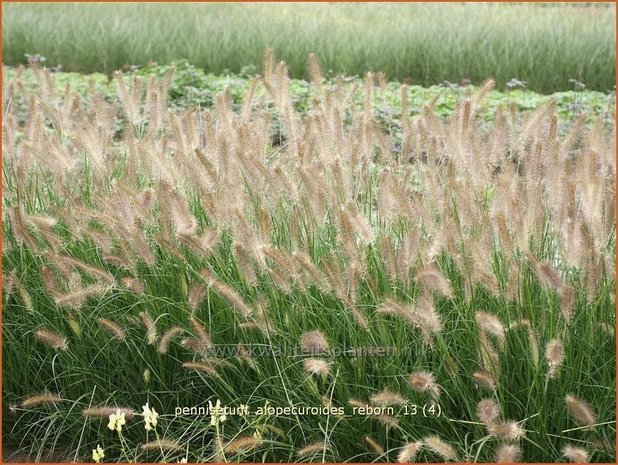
<point x="545" y="45"/>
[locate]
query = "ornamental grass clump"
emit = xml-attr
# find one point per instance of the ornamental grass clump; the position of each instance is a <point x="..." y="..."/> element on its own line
<point x="422" y="280"/>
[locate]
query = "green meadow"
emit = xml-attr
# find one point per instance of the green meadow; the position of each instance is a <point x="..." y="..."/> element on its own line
<point x="545" y="45"/>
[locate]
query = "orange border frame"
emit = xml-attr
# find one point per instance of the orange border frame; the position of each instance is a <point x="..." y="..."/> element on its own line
<point x="278" y="1"/>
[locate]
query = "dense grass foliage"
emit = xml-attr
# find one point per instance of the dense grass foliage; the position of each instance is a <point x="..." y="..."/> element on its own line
<point x="423" y="43"/>
<point x="179" y="256"/>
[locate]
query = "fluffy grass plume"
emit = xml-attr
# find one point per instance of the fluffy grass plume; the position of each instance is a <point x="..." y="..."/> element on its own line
<point x="554" y="353"/>
<point x="487" y="411"/>
<point x="162" y="444"/>
<point x="52" y="339"/>
<point x="439" y="447"/>
<point x="40" y="399"/>
<point x="317" y="366"/>
<point x="310" y="449"/>
<point x="575" y="454"/>
<point x="508" y="453"/>
<point x="113" y="328"/>
<point x="581" y="412"/>
<point x="244" y="444"/>
<point x="167" y="336"/>
<point x="374" y="445"/>
<point x="409" y="452"/>
<point x="314" y="343"/>
<point x="106" y="411"/>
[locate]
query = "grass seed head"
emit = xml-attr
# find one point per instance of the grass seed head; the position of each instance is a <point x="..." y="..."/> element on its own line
<point x="162" y="444"/>
<point x="231" y="296"/>
<point x="244" y="444"/>
<point x="487" y="411"/>
<point x="441" y="448"/>
<point x="106" y="411"/>
<point x="113" y="328"/>
<point x="422" y="381"/>
<point x="201" y="332"/>
<point x="484" y="379"/>
<point x="133" y="284"/>
<point x="314" y="343"/>
<point x="386" y="420"/>
<point x="317" y="366"/>
<point x="508" y="453"/>
<point x="150" y="327"/>
<point x="374" y="445"/>
<point x="575" y="454"/>
<point x="431" y="278"/>
<point x="204" y="367"/>
<point x="409" y="452"/>
<point x="548" y="275"/>
<point x="430" y="321"/>
<point x="167" y="336"/>
<point x="196" y="295"/>
<point x="311" y="449"/>
<point x="554" y="353"/>
<point x="508" y="431"/>
<point x="386" y="398"/>
<point x="492" y="325"/>
<point x="41" y="399"/>
<point x="196" y="345"/>
<point x="52" y="339"/>
<point x="581" y="412"/>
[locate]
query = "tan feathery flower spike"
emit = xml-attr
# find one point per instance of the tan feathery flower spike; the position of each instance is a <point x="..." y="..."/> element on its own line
<point x="386" y="398"/>
<point x="484" y="379"/>
<point x="244" y="444"/>
<point x="554" y="353"/>
<point x="508" y="453"/>
<point x="422" y="381"/>
<point x="509" y="430"/>
<point x="487" y="411"/>
<point x="201" y="332"/>
<point x="196" y="295"/>
<point x="52" y="339"/>
<point x="133" y="284"/>
<point x="106" y="411"/>
<point x="374" y="445"/>
<point x="167" y="336"/>
<point x="41" y="399"/>
<point x="227" y="293"/>
<point x="162" y="444"/>
<point x="409" y="452"/>
<point x="492" y="325"/>
<point x="314" y="343"/>
<point x="581" y="412"/>
<point x="441" y="448"/>
<point x="113" y="328"/>
<point x="317" y="366"/>
<point x="575" y="454"/>
<point x="204" y="367"/>
<point x="150" y="327"/>
<point x="311" y="449"/>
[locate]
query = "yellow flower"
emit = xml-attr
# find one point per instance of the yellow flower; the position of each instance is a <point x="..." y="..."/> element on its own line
<point x="216" y="415"/>
<point x="98" y="454"/>
<point x="150" y="417"/>
<point x="116" y="420"/>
